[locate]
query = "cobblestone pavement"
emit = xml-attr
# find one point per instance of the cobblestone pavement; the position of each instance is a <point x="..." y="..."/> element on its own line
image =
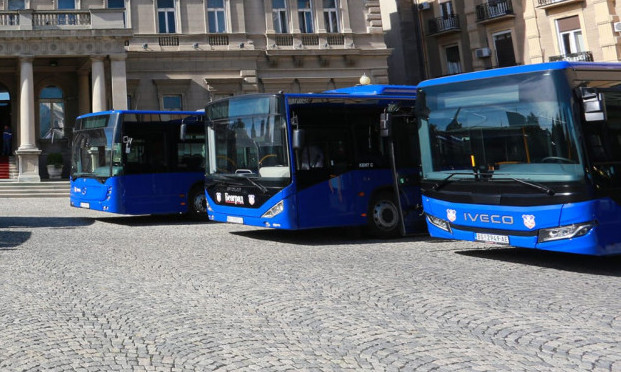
<point x="88" y="291"/>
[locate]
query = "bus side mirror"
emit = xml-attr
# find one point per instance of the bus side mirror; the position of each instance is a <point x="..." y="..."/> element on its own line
<point x="182" y="131"/>
<point x="298" y="139"/>
<point x="385" y="124"/>
<point x="593" y="104"/>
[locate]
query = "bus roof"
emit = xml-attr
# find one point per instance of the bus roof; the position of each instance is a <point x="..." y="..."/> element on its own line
<point x="199" y="112"/>
<point x="497" y="72"/>
<point x="376" y="90"/>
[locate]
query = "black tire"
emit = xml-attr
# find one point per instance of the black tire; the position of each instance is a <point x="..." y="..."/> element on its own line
<point x="197" y="204"/>
<point x="383" y="216"/>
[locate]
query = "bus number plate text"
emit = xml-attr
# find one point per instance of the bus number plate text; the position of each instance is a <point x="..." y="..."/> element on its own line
<point x="491" y="238"/>
<point x="233" y="219"/>
<point x="85" y="205"/>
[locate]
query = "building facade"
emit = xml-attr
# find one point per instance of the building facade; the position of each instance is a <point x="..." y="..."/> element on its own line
<point x="63" y="58"/>
<point x="470" y="35"/>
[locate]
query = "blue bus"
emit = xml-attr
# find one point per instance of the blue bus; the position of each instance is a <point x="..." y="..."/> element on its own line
<point x="527" y="156"/>
<point x="345" y="157"/>
<point x="139" y="162"/>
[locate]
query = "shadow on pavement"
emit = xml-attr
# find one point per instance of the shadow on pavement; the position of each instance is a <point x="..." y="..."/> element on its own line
<point x="11" y="239"/>
<point x="606" y="266"/>
<point x="54" y="222"/>
<point x="153" y="220"/>
<point x="327" y="236"/>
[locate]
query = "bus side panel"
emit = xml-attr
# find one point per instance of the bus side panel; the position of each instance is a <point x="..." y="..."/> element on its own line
<point x="158" y="193"/>
<point x="341" y="201"/>
<point x="526" y="223"/>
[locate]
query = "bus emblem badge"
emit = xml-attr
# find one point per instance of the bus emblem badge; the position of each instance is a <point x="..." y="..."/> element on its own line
<point x="451" y="214"/>
<point x="219" y="197"/>
<point x="251" y="199"/>
<point x="529" y="220"/>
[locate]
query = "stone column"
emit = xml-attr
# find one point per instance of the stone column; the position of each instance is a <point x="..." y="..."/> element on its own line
<point x="27" y="153"/>
<point x="84" y="92"/>
<point x="99" y="84"/>
<point x="119" y="81"/>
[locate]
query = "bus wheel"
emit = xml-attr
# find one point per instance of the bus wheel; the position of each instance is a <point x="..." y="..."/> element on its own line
<point x="197" y="204"/>
<point x="384" y="216"/>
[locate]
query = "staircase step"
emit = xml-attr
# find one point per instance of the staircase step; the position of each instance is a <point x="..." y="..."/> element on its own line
<point x="12" y="189"/>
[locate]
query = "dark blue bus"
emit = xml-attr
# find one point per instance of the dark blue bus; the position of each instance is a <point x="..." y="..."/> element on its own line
<point x="139" y="162"/>
<point x="527" y="156"/>
<point x="300" y="161"/>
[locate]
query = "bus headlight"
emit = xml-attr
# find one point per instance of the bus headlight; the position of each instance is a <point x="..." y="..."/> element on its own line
<point x="565" y="232"/>
<point x="207" y="205"/>
<point x="439" y="223"/>
<point x="279" y="207"/>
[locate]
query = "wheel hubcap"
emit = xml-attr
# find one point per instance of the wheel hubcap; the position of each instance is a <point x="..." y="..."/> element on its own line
<point x="200" y="203"/>
<point x="385" y="215"/>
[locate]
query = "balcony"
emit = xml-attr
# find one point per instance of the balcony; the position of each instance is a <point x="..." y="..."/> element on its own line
<point x="494" y="10"/>
<point x="574" y="57"/>
<point x="91" y="19"/>
<point x="546" y="4"/>
<point x="443" y="25"/>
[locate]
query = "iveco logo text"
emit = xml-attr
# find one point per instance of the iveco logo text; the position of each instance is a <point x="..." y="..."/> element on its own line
<point x="233" y="199"/>
<point x="488" y="218"/>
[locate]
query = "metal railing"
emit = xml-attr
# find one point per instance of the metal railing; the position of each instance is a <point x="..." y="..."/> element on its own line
<point x="444" y="24"/>
<point x="574" y="57"/>
<point x="494" y="9"/>
<point x="554" y="2"/>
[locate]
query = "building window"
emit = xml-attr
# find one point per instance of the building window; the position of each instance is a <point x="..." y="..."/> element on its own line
<point x="305" y="16"/>
<point x="331" y="15"/>
<point x="279" y="15"/>
<point x="166" y="16"/>
<point x="51" y="113"/>
<point x="453" y="62"/>
<point x="215" y="16"/>
<point x="503" y="43"/>
<point x="17" y="4"/>
<point x="446" y="10"/>
<point x="67" y="19"/>
<point x="570" y="35"/>
<point x="116" y="4"/>
<point x="172" y="102"/>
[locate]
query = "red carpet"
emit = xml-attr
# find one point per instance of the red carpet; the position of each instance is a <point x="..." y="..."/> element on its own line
<point x="4" y="167"/>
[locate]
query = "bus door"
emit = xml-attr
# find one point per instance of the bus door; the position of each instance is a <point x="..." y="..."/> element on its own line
<point x="401" y="136"/>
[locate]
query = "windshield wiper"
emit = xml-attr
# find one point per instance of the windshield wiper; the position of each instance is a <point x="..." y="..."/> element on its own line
<point x="538" y="186"/>
<point x="445" y="181"/>
<point x="258" y="185"/>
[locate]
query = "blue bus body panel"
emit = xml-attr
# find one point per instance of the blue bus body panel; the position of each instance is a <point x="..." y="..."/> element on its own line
<point x="160" y="193"/>
<point x="526" y="221"/>
<point x="341" y="201"/>
<point x="252" y="216"/>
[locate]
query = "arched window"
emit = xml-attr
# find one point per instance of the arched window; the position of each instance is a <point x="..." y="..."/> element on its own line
<point x="51" y="113"/>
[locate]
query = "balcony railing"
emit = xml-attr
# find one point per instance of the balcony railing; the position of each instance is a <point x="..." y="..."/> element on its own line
<point x="29" y="19"/>
<point x="553" y="3"/>
<point x="494" y="9"/>
<point x="574" y="57"/>
<point x="444" y="24"/>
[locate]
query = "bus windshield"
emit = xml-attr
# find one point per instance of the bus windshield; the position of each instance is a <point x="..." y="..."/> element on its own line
<point x="517" y="126"/>
<point x="247" y="138"/>
<point x="92" y="146"/>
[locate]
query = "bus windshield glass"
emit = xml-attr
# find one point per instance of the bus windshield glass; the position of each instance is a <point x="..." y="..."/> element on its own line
<point x="93" y="144"/>
<point x="517" y="126"/>
<point x="247" y="138"/>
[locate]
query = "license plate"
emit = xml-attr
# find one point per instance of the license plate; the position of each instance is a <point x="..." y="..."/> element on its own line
<point x="85" y="205"/>
<point x="233" y="219"/>
<point x="491" y="238"/>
